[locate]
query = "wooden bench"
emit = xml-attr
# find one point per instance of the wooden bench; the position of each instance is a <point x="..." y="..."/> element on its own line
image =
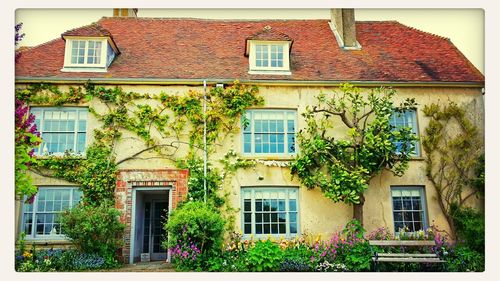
<point x="404" y="257"/>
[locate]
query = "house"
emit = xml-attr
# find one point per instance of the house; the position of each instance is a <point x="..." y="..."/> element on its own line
<point x="291" y="61"/>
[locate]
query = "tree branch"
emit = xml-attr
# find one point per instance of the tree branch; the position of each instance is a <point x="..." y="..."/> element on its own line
<point x="342" y="115"/>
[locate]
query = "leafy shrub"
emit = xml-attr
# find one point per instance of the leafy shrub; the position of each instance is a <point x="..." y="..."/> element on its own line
<point x="195" y="231"/>
<point x="357" y="257"/>
<point x="94" y="230"/>
<point x="463" y="258"/>
<point x="469" y="224"/>
<point x="264" y="256"/>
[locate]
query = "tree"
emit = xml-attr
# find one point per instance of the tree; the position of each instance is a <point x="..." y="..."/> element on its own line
<point x="342" y="166"/>
<point x="454" y="154"/>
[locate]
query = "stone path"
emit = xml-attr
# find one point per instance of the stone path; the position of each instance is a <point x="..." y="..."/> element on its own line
<point x="154" y="266"/>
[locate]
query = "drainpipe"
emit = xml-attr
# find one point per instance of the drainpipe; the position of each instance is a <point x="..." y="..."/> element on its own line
<point x="205" y="139"/>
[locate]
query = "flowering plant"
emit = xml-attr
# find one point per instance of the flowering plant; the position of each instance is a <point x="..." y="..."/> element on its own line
<point x="26" y="138"/>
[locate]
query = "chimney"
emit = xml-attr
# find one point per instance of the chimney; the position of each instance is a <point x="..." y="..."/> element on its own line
<point x="125" y="13"/>
<point x="344" y="27"/>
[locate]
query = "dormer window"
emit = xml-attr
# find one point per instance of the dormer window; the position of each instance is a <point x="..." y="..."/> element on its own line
<point x="269" y="52"/>
<point x="88" y="55"/>
<point x="269" y="57"/>
<point x="88" y="49"/>
<point x="86" y="52"/>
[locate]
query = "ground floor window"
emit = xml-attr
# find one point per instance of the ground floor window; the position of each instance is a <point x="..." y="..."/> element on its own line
<point x="408" y="206"/>
<point x="269" y="210"/>
<point x="41" y="217"/>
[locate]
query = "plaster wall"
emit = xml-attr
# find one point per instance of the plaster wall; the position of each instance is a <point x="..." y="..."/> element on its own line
<point x="318" y="215"/>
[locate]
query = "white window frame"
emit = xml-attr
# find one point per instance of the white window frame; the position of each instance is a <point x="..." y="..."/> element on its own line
<point x="413" y="126"/>
<point x="423" y="204"/>
<point x="34" y="235"/>
<point x="286" y="189"/>
<point x="252" y="58"/>
<point x="76" y="129"/>
<point x="285" y="132"/>
<point x="68" y="66"/>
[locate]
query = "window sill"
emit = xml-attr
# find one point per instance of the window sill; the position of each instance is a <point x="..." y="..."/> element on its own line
<point x="48" y="241"/>
<point x="266" y="236"/>
<point x="61" y="155"/>
<point x="269" y="157"/>
<point x="270" y="72"/>
<point x="84" y="69"/>
<point x="417" y="158"/>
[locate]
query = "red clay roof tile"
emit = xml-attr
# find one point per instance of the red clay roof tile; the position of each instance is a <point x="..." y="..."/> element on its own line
<point x="198" y="48"/>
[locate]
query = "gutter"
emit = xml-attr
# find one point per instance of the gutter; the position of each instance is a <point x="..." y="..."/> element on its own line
<point x="258" y="82"/>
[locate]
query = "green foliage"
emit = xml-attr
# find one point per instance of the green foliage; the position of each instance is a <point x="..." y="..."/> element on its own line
<point x="462" y="259"/>
<point x="169" y="119"/>
<point x="57" y="260"/>
<point x="195" y="183"/>
<point x="95" y="173"/>
<point x="94" y="230"/>
<point x="194" y="223"/>
<point x="454" y="154"/>
<point x="342" y="166"/>
<point x="469" y="224"/>
<point x="26" y="139"/>
<point x="356" y="258"/>
<point x="264" y="256"/>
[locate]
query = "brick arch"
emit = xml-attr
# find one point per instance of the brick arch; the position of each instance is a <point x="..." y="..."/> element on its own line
<point x="130" y="178"/>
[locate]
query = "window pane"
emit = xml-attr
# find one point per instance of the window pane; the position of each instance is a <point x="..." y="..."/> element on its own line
<point x="59" y="127"/>
<point x="410" y="202"/>
<point x="258" y="228"/>
<point x="270" y="130"/>
<point x="248" y="228"/>
<point x="273" y="214"/>
<point x="274" y="228"/>
<point x="248" y="217"/>
<point x="247" y="205"/>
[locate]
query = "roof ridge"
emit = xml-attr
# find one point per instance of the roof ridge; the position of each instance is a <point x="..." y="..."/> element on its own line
<point x="205" y="19"/>
<point x="422" y="31"/>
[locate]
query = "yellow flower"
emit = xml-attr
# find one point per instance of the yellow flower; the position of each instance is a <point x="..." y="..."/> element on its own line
<point x="27" y="255"/>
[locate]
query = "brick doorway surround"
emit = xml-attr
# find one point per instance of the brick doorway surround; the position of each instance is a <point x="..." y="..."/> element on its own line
<point x="127" y="180"/>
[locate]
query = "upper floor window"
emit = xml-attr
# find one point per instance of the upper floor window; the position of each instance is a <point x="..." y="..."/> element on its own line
<point x="41" y="217"/>
<point x="270" y="211"/>
<point x="269" y="57"/>
<point x="88" y="54"/>
<point x="270" y="132"/>
<point x="408" y="207"/>
<point x="62" y="129"/>
<point x="407" y="118"/>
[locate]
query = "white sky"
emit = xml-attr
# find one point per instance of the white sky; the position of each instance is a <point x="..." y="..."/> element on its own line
<point x="465" y="27"/>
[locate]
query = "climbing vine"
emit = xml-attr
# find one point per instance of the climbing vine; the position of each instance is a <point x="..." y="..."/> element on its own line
<point x="162" y="122"/>
<point x="454" y="157"/>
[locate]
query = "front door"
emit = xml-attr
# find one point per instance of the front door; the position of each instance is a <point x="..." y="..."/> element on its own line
<point x="155" y="215"/>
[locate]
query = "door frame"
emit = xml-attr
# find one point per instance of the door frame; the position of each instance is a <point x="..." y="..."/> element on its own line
<point x="133" y="219"/>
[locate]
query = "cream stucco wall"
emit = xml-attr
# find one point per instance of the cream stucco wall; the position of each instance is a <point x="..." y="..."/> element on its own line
<point x="317" y="215"/>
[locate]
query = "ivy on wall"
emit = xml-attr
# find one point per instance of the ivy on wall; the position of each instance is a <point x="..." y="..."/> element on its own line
<point x="454" y="154"/>
<point x="163" y="122"/>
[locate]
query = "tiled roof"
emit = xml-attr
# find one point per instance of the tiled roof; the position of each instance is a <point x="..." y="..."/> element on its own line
<point x="91" y="30"/>
<point x="215" y="49"/>
<point x="268" y="33"/>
